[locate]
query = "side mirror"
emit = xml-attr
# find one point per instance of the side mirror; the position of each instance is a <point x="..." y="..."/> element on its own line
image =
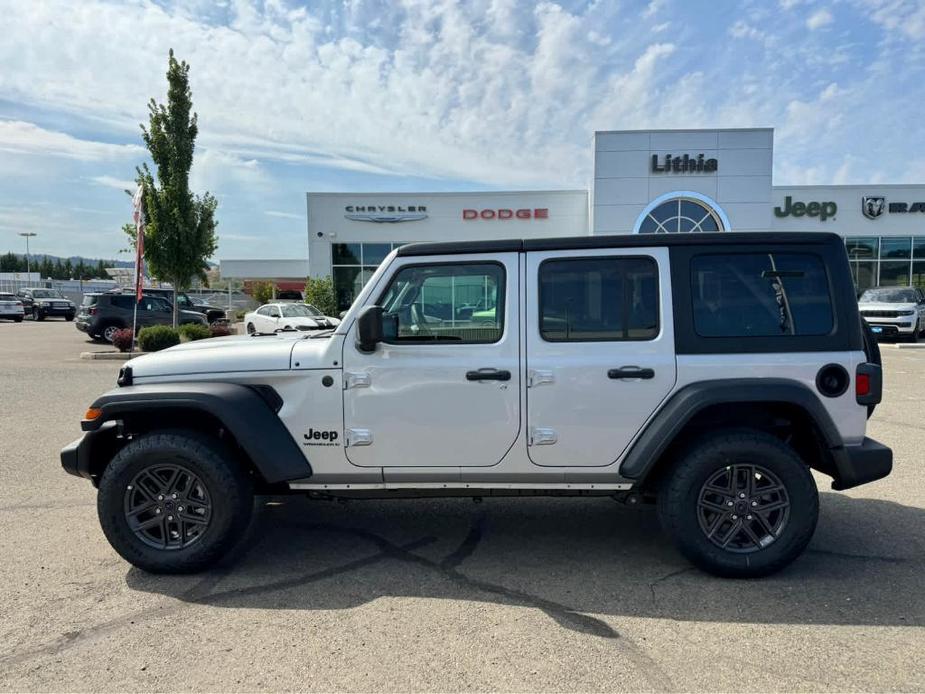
<point x="369" y="328"/>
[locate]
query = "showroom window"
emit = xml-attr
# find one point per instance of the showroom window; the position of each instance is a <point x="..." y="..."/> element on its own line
<point x="352" y="264"/>
<point x="680" y="215"/>
<point x="886" y="261"/>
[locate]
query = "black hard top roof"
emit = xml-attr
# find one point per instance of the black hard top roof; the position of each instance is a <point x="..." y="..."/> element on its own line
<point x="745" y="238"/>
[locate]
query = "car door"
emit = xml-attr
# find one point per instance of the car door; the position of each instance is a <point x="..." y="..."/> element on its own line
<point x="600" y="351"/>
<point x="441" y="390"/>
<point x="271" y="318"/>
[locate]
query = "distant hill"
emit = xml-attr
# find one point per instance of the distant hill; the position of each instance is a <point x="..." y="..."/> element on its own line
<point x="75" y="259"/>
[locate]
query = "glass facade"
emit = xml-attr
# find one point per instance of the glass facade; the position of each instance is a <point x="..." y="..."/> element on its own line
<point x="881" y="261"/>
<point x="352" y="264"/>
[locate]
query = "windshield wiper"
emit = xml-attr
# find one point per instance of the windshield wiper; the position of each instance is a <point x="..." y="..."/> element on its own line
<point x="322" y="333"/>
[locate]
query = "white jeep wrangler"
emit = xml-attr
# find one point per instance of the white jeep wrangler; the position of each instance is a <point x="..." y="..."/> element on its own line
<point x="705" y="372"/>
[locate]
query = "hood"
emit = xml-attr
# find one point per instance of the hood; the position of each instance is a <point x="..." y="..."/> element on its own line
<point x="887" y="306"/>
<point x="218" y="355"/>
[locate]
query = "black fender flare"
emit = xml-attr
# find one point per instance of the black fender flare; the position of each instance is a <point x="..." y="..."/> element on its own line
<point x="674" y="415"/>
<point x="249" y="413"/>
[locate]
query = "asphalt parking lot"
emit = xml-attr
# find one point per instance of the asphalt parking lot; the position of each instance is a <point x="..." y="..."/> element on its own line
<point x="536" y="594"/>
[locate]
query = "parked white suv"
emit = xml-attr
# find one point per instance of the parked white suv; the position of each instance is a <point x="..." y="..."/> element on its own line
<point x="705" y="372"/>
<point x="894" y="311"/>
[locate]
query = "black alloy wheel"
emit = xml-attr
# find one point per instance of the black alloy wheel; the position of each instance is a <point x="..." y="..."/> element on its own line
<point x="743" y="508"/>
<point x="167" y="507"/>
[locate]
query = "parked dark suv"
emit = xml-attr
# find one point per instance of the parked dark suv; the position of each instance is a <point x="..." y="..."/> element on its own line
<point x="101" y="315"/>
<point x="212" y="313"/>
<point x="39" y="303"/>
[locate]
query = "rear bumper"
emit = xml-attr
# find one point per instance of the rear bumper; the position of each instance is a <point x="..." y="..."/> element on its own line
<point x="857" y="465"/>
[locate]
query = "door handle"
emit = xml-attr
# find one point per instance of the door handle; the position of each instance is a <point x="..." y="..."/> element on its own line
<point x="631" y="372"/>
<point x="488" y="375"/>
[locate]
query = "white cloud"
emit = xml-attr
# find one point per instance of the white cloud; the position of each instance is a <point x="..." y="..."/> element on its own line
<point x="113" y="182"/>
<point x="907" y="17"/>
<point x="20" y="137"/>
<point x="283" y="215"/>
<point x="820" y="18"/>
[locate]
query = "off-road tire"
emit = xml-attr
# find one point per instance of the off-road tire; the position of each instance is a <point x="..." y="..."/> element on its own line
<point x="228" y="485"/>
<point x="681" y="488"/>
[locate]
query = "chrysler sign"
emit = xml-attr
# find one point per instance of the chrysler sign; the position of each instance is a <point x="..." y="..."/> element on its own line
<point x="385" y="214"/>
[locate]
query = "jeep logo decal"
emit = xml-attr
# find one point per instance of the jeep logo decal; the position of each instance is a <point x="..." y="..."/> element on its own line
<point x="321" y="438"/>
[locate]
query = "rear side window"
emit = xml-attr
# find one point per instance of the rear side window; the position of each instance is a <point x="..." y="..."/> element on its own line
<point x="760" y="295"/>
<point x="599" y="299"/>
<point x="125" y="301"/>
<point x="89" y="300"/>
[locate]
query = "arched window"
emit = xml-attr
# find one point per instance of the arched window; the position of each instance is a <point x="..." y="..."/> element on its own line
<point x="680" y="215"/>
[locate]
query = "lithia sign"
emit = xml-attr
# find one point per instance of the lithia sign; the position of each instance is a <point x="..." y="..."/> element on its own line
<point x="687" y="163"/>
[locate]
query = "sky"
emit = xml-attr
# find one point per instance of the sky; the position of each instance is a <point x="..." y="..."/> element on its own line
<point x="430" y="95"/>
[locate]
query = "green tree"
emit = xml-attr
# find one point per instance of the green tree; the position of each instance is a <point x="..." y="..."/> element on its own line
<point x="180" y="226"/>
<point x="319" y="292"/>
<point x="262" y="292"/>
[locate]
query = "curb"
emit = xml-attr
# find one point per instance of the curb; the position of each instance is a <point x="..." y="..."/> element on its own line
<point x="909" y="345"/>
<point x="108" y="356"/>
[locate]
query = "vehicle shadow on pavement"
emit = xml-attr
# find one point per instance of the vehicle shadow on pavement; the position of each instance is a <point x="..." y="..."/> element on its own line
<point x="583" y="562"/>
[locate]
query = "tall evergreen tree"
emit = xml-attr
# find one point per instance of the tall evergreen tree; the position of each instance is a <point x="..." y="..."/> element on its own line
<point x="180" y="226"/>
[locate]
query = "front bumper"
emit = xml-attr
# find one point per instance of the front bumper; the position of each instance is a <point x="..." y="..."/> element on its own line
<point x="857" y="465"/>
<point x="56" y="310"/>
<point x="888" y="327"/>
<point x="77" y="456"/>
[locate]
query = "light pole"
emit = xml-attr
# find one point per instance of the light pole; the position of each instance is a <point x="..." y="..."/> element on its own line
<point x="28" y="235"/>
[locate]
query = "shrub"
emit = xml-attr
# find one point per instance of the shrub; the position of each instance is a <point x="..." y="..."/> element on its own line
<point x="195" y="331"/>
<point x="158" y="337"/>
<point x="319" y="292"/>
<point x="239" y="314"/>
<point x="122" y="339"/>
<point x="263" y="292"/>
<point x="221" y="330"/>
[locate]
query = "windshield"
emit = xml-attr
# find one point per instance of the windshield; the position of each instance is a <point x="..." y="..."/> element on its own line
<point x="47" y="294"/>
<point x="300" y="311"/>
<point x="890" y="296"/>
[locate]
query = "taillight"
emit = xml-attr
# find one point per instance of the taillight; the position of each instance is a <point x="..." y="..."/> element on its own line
<point x="868" y="384"/>
<point x="862" y="385"/>
<point x="92" y="310"/>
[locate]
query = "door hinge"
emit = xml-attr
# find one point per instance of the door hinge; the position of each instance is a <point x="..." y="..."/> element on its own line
<point x="540" y="436"/>
<point x="536" y="377"/>
<point x="356" y="379"/>
<point x="359" y="437"/>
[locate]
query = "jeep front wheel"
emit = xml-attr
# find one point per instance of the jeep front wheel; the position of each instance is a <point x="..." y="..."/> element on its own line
<point x="739" y="504"/>
<point x="174" y="502"/>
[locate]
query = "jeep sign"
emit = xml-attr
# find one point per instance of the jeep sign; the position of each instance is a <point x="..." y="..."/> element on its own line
<point x="822" y="210"/>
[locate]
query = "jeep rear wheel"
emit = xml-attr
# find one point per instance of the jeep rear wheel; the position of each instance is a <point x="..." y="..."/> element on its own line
<point x="174" y="502"/>
<point x="739" y="504"/>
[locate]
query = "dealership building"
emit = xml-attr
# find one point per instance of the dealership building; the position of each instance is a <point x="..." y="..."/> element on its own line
<point x="658" y="181"/>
